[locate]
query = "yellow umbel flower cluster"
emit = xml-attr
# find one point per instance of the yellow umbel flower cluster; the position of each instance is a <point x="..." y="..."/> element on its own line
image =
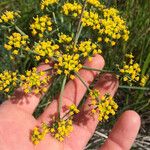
<point x="17" y="43"/>
<point x="34" y="81"/>
<point x="7" y="80"/>
<point x="113" y="26"/>
<point x="94" y="94"/>
<point x="46" y="3"/>
<point x="41" y="25"/>
<point x="144" y="79"/>
<point x="95" y="3"/>
<point x="73" y="110"/>
<point x="104" y="106"/>
<point x="131" y="72"/>
<point x="39" y="134"/>
<point x="9" y="16"/>
<point x="105" y="21"/>
<point x="87" y="49"/>
<point x="110" y="26"/>
<point x="75" y="9"/>
<point x="61" y="129"/>
<point x="91" y="19"/>
<point x="68" y="64"/>
<point x="63" y="38"/>
<point x="46" y="50"/>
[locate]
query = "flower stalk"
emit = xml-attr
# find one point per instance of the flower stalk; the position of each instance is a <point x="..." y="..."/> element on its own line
<point x="134" y="87"/>
<point x="80" y="78"/>
<point x="94" y="69"/>
<point x="20" y="31"/>
<point x="79" y="28"/>
<point x="61" y="96"/>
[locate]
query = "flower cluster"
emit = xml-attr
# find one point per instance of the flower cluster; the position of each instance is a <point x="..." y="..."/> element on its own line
<point x="113" y="26"/>
<point x="94" y="94"/>
<point x="62" y="128"/>
<point x="87" y="49"/>
<point x="96" y="3"/>
<point x="59" y="129"/>
<point x="41" y="25"/>
<point x="73" y="110"/>
<point x="144" y="79"/>
<point x="46" y="50"/>
<point x="131" y="72"/>
<point x="39" y="133"/>
<point x="34" y="81"/>
<point x="17" y="43"/>
<point x="110" y="26"/>
<point x="68" y="64"/>
<point x="8" y="78"/>
<point x="46" y="3"/>
<point x="9" y="17"/>
<point x="75" y="9"/>
<point x="63" y="38"/>
<point x="105" y="21"/>
<point x="104" y="106"/>
<point x="91" y="19"/>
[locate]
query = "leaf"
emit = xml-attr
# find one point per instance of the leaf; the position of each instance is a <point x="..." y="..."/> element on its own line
<point x="146" y="64"/>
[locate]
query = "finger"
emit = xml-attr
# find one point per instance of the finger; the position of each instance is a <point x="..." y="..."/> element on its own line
<point x="124" y="132"/>
<point x="85" y="124"/>
<point x="27" y="102"/>
<point x="74" y="89"/>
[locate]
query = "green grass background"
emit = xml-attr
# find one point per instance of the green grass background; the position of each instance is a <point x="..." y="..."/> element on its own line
<point x="137" y="14"/>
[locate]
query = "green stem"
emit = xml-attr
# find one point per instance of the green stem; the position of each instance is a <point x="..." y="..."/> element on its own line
<point x="77" y="74"/>
<point x="78" y="35"/>
<point x="79" y="28"/>
<point x="134" y="87"/>
<point x="61" y="95"/>
<point x="94" y="69"/>
<point x="19" y="30"/>
<point x="143" y="107"/>
<point x="55" y="20"/>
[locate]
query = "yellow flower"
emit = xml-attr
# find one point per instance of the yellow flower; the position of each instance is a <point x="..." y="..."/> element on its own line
<point x="87" y="48"/>
<point x="131" y="72"/>
<point x="16" y="42"/>
<point x="39" y="133"/>
<point x="9" y="16"/>
<point x="34" y="81"/>
<point x="96" y="3"/>
<point x="45" y="49"/>
<point x="68" y="64"/>
<point x="74" y="8"/>
<point x="8" y="80"/>
<point x="46" y="3"/>
<point x="110" y="25"/>
<point x="62" y="128"/>
<point x="63" y="38"/>
<point x="41" y="25"/>
<point x="144" y="79"/>
<point x="104" y="106"/>
<point x="73" y="109"/>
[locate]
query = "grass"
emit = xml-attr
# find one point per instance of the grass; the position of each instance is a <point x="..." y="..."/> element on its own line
<point x="138" y="20"/>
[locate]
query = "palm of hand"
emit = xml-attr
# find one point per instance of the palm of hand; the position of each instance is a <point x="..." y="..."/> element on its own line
<point x="16" y="125"/>
<point x="16" y="120"/>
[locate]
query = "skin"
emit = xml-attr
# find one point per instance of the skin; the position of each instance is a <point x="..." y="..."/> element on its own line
<point x="16" y="120"/>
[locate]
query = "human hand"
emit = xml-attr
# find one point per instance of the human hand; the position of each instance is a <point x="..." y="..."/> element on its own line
<point x="16" y="120"/>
